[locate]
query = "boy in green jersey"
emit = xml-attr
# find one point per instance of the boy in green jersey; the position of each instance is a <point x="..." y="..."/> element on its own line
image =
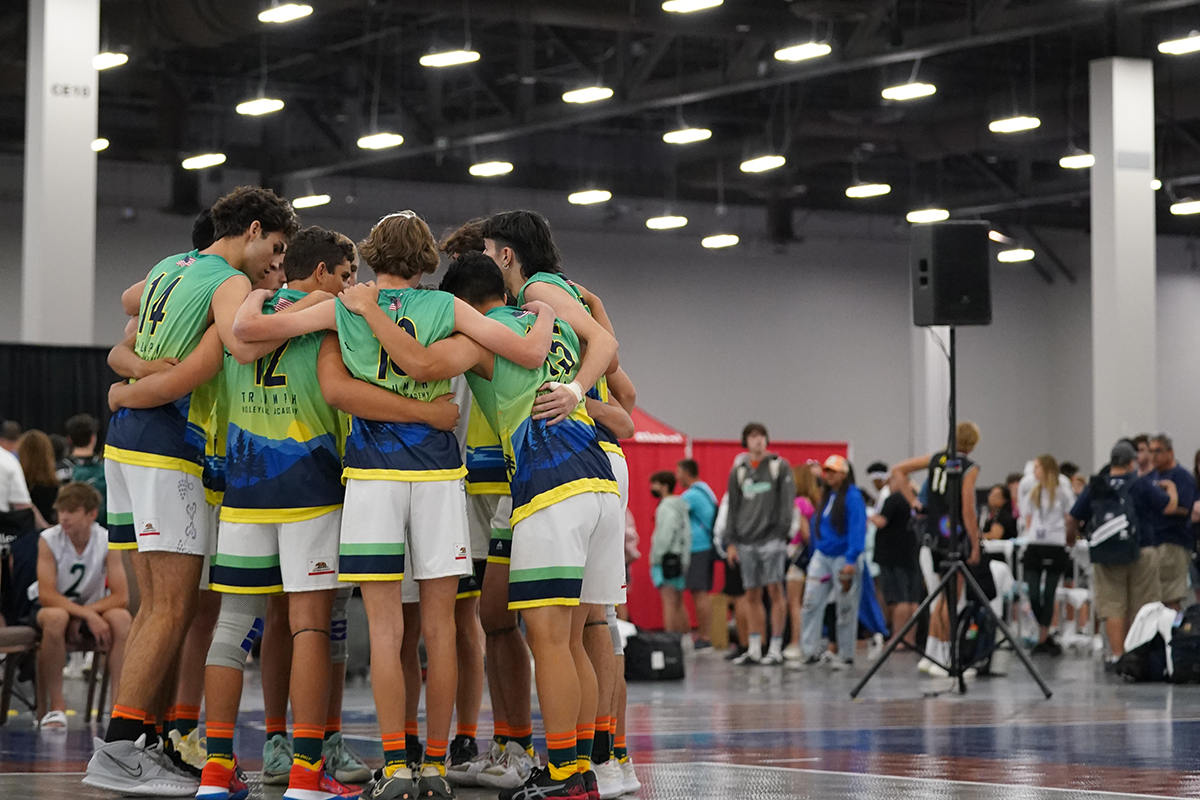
<point x="154" y="464"/>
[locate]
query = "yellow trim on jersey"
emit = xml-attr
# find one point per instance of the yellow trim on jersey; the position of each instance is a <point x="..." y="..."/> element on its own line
<point x="223" y="589"/>
<point x="549" y="601"/>
<point x="153" y="461"/>
<point x="406" y="475"/>
<point x="612" y="447"/>
<point x="122" y="545"/>
<point x="354" y="577"/>
<point x="560" y="493"/>
<point x="465" y="595"/>
<point x="213" y="497"/>
<point x="494" y="487"/>
<point x="260" y="516"/>
<point x="498" y="560"/>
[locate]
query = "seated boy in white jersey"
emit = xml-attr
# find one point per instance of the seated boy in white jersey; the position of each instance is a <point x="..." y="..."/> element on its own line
<point x="565" y="505"/>
<point x="83" y="594"/>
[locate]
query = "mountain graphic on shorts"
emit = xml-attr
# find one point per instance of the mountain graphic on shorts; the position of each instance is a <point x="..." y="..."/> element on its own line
<point x="275" y="473"/>
<point x="546" y="457"/>
<point x="401" y="446"/>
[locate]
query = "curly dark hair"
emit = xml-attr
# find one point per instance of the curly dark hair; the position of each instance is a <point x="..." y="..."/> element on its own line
<point x="467" y="238"/>
<point x="312" y="246"/>
<point x="238" y="210"/>
<point x="400" y="244"/>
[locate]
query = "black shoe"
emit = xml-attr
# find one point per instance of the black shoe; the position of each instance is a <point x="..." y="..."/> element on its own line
<point x="1054" y="648"/>
<point x="462" y="750"/>
<point x="701" y="644"/>
<point x="590" y="784"/>
<point x="433" y="787"/>
<point x="393" y="788"/>
<point x="177" y="760"/>
<point x="1040" y="649"/>
<point x="541" y="786"/>
<point x="414" y="754"/>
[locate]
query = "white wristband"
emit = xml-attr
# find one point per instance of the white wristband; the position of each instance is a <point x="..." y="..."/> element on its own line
<point x="576" y="390"/>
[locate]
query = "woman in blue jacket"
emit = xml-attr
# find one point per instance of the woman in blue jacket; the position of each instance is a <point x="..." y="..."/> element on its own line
<point x="839" y="538"/>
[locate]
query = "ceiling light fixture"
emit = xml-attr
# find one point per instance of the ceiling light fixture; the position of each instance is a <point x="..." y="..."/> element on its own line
<point x="688" y="6"/>
<point x="803" y="52"/>
<point x="490" y="169"/>
<point x="719" y="240"/>
<point x="997" y="236"/>
<point x="449" y="58"/>
<point x="1179" y="47"/>
<point x="108" y="60"/>
<point x="1077" y="161"/>
<point x="1156" y="184"/>
<point x="860" y="190"/>
<point x="908" y="91"/>
<point x="1014" y="124"/>
<point x="588" y="94"/>
<point x="310" y="200"/>
<point x="1185" y="207"/>
<point x="99" y="144"/>
<point x="687" y="135"/>
<point x="1015" y="255"/>
<point x="924" y="215"/>
<point x="204" y="161"/>
<point x="589" y="196"/>
<point x="665" y="223"/>
<point x="259" y="106"/>
<point x="288" y="12"/>
<point x="763" y="163"/>
<point x="380" y="141"/>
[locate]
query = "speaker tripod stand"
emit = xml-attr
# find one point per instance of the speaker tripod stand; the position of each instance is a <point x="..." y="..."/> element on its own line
<point x="948" y="588"/>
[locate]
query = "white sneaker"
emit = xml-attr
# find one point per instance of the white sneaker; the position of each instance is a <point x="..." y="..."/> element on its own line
<point x="510" y="770"/>
<point x="467" y="774"/>
<point x="923" y="665"/>
<point x="771" y="659"/>
<point x="839" y="664"/>
<point x="936" y="671"/>
<point x="610" y="779"/>
<point x="747" y="659"/>
<point x="130" y="768"/>
<point x="791" y="652"/>
<point x="632" y="784"/>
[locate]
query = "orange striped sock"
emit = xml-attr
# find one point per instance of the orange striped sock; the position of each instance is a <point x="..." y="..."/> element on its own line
<point x="183" y="718"/>
<point x="411" y="729"/>
<point x="306" y="745"/>
<point x="276" y="726"/>
<point x="219" y="736"/>
<point x="501" y="732"/>
<point x="125" y="724"/>
<point x="523" y="736"/>
<point x="435" y="755"/>
<point x="394" y="754"/>
<point x="561" y="755"/>
<point x="463" y="729"/>
<point x="584" y="734"/>
<point x="333" y="725"/>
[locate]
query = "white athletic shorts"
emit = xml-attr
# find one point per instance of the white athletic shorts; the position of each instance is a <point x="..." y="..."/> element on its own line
<point x="620" y="469"/>
<point x="393" y="529"/>
<point x="273" y="557"/>
<point x="569" y="553"/>
<point x="166" y="507"/>
<point x="215" y="527"/>
<point x="487" y="514"/>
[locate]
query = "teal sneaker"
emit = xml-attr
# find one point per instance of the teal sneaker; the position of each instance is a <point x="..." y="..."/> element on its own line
<point x="342" y="762"/>
<point x="277" y="760"/>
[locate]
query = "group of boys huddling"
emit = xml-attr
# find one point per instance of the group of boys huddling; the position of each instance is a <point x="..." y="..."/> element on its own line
<point x="281" y="443"/>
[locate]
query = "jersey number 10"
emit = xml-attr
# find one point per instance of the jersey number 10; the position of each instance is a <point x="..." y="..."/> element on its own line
<point x="386" y="363"/>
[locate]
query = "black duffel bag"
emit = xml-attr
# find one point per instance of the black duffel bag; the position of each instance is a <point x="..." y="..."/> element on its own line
<point x="653" y="657"/>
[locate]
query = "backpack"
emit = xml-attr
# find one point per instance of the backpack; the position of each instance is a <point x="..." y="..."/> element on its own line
<point x="1113" y="526"/>
<point x="976" y="637"/>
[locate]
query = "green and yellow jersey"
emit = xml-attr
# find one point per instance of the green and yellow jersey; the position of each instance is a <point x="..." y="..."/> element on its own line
<point x="486" y="473"/>
<point x="173" y="316"/>
<point x="399" y="451"/>
<point x="545" y="463"/>
<point x="608" y="441"/>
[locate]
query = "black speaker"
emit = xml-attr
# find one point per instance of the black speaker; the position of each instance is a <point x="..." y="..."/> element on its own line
<point x="951" y="277"/>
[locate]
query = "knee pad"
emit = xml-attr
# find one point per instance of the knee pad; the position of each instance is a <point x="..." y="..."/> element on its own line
<point x="337" y="627"/>
<point x="240" y="623"/>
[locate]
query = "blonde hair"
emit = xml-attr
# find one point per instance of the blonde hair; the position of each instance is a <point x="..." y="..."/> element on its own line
<point x="1049" y="480"/>
<point x="400" y="244"/>
<point x="966" y="436"/>
<point x="806" y="484"/>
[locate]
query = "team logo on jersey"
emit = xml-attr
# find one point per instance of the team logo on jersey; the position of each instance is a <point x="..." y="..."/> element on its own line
<point x="149" y="528"/>
<point x="460" y="552"/>
<point x="320" y="566"/>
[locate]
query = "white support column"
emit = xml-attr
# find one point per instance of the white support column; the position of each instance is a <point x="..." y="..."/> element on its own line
<point x="58" y="254"/>
<point x="1124" y="346"/>
<point x="931" y="390"/>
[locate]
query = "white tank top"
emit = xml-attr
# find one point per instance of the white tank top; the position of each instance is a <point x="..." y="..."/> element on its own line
<point x="81" y="576"/>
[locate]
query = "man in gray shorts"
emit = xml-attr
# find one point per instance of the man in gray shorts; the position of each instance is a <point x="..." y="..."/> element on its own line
<point x="761" y="496"/>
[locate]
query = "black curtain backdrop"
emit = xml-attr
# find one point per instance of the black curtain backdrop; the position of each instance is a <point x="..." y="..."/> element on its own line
<point x="42" y="386"/>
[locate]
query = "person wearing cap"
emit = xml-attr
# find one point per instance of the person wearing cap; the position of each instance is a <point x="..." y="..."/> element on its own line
<point x="1123" y="588"/>
<point x="839" y="538"/>
<point x="761" y="493"/>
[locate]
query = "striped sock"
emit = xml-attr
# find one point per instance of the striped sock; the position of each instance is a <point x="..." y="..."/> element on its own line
<point x="584" y="735"/>
<point x="466" y="730"/>
<point x="435" y="755"/>
<point x="220" y="742"/>
<point x="601" y="745"/>
<point x="523" y="736"/>
<point x="306" y="745"/>
<point x="169" y="719"/>
<point x="561" y="755"/>
<point x="276" y="726"/>
<point x="394" y="754"/>
<point x="125" y="724"/>
<point x="501" y="733"/>
<point x="333" y="725"/>
<point x="612" y="735"/>
<point x="619" y="750"/>
<point x="186" y="719"/>
<point x="412" y="729"/>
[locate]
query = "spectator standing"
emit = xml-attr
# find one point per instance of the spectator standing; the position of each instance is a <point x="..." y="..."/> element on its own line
<point x="1070" y="470"/>
<point x="1000" y="522"/>
<point x="670" y="550"/>
<point x="10" y="434"/>
<point x="808" y="495"/>
<point x="1013" y="483"/>
<point x="897" y="553"/>
<point x="1045" y="497"/>
<point x="702" y="513"/>
<point x="1145" y="461"/>
<point x="839" y="537"/>
<point x="1172" y="531"/>
<point x="83" y="593"/>
<point x="1118" y="507"/>
<point x="761" y="494"/>
<point x="86" y="466"/>
<point x="36" y="454"/>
